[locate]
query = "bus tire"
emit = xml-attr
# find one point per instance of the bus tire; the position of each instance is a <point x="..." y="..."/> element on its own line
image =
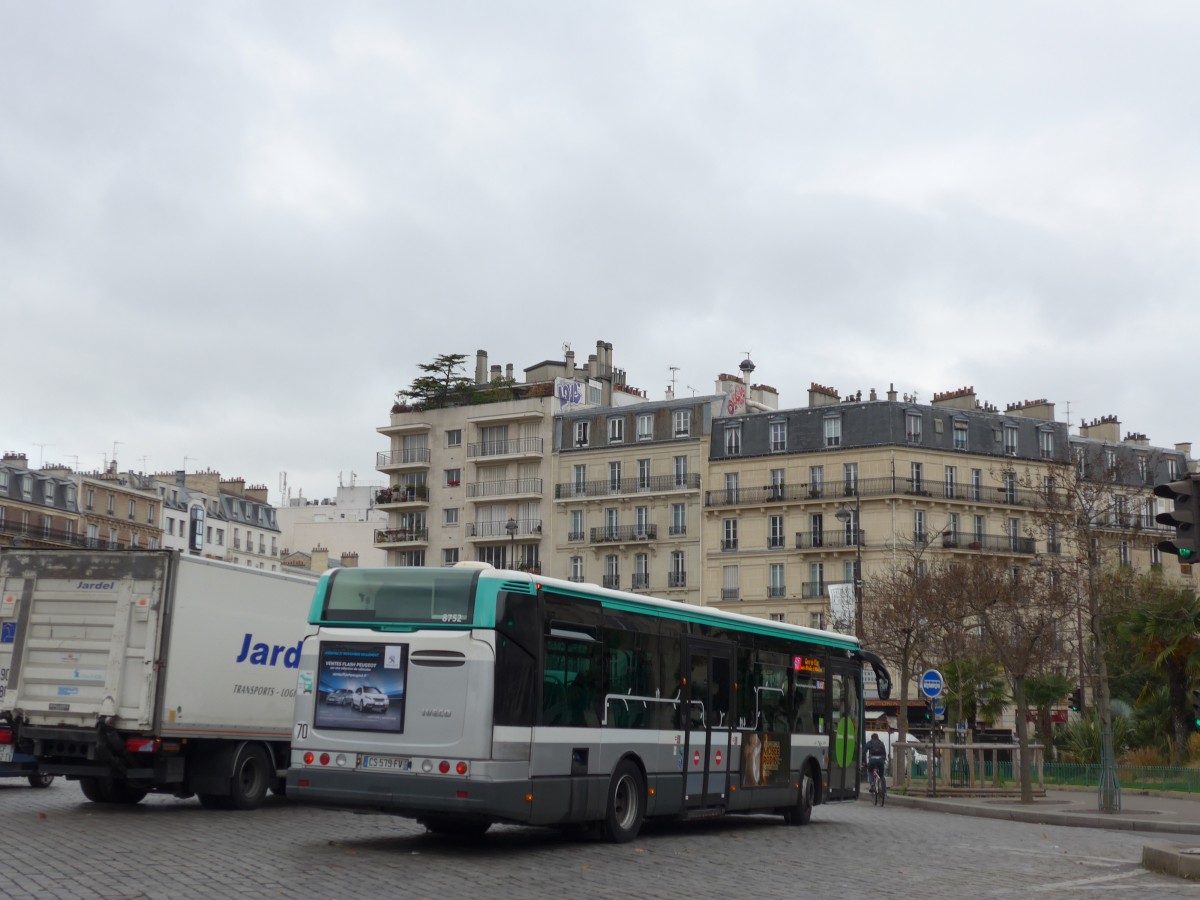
<point x="626" y="807"/>
<point x="801" y="813"/>
<point x="252" y="775"/>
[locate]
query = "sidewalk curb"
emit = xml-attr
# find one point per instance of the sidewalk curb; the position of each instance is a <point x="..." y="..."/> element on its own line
<point x="1172" y="859"/>
<point x="1045" y="817"/>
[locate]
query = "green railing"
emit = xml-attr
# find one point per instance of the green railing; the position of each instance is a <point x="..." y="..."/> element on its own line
<point x="1145" y="778"/>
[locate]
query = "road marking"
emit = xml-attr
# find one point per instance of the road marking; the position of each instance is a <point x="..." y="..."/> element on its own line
<point x="1084" y="882"/>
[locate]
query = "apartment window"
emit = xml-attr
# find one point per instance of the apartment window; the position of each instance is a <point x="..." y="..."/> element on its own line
<point x="682" y="421"/>
<point x="645" y="426"/>
<point x="912" y="427"/>
<point x="112" y="538"/>
<point x="778" y="617"/>
<point x="678" y="518"/>
<point x="1123" y="552"/>
<point x="614" y="476"/>
<point x="208" y="533"/>
<point x="960" y="434"/>
<point x="641" y="571"/>
<point x="582" y="430"/>
<point x="641" y="521"/>
<point x="48" y="493"/>
<point x="816" y="580"/>
<point x="833" y="431"/>
<point x="816" y="527"/>
<point x="919" y="536"/>
<point x="850" y="571"/>
<point x="677" y="577"/>
<point x="580" y="479"/>
<point x="454" y="437"/>
<point x="3" y="479"/>
<point x="112" y="503"/>
<point x="681" y="471"/>
<point x="1172" y="468"/>
<point x="850" y="478"/>
<point x="733" y="440"/>
<point x="643" y="476"/>
<point x="775" y="583"/>
<point x="616" y="430"/>
<point x="171" y="526"/>
<point x="27" y="490"/>
<point x="1045" y="443"/>
<point x="453" y="477"/>
<point x="1010" y="487"/>
<point x="612" y="571"/>
<point x="979" y="526"/>
<point x="917" y="472"/>
<point x="449" y="556"/>
<point x="69" y="530"/>
<point x="576" y="568"/>
<point x="816" y="481"/>
<point x="729" y="539"/>
<point x="47" y="525"/>
<point x="777" y="481"/>
<point x="1014" y="534"/>
<point x="237" y="539"/>
<point x="949" y="486"/>
<point x="1010" y="439"/>
<point x="778" y="436"/>
<point x="450" y="516"/>
<point x="612" y="522"/>
<point x="576" y="530"/>
<point x="952" y="529"/>
<point x="1052" y="546"/>
<point x="220" y="537"/>
<point x="775" y="538"/>
<point x="93" y="536"/>
<point x="731" y="487"/>
<point x="409" y="558"/>
<point x="729" y="583"/>
<point x="816" y="620"/>
<point x="1143" y="466"/>
<point x="977" y="484"/>
<point x="135" y="540"/>
<point x="150" y="514"/>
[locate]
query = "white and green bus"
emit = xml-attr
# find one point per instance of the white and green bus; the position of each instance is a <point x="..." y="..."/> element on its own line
<point x="468" y="695"/>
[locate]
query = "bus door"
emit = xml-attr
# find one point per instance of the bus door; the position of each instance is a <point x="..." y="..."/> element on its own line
<point x="708" y="719"/>
<point x="845" y="735"/>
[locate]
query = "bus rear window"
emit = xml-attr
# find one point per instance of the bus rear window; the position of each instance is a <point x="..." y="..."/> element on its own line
<point x="401" y="595"/>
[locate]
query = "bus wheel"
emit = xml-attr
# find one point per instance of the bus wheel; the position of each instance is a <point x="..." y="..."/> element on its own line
<point x="626" y="804"/>
<point x="801" y="813"/>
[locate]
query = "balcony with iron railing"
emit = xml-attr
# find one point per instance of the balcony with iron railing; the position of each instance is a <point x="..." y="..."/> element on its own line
<point x="869" y="487"/>
<point x="623" y="534"/>
<point x="812" y="590"/>
<point x="509" y="487"/>
<point x="833" y="539"/>
<point x="987" y="543"/>
<point x="641" y="581"/>
<point x="612" y="581"/>
<point x="676" y="579"/>
<point x="525" y="528"/>
<point x="526" y="446"/>
<point x="730" y="593"/>
<point x="776" y="591"/>
<point x="386" y="537"/>
<point x="390" y="460"/>
<point x="654" y="484"/>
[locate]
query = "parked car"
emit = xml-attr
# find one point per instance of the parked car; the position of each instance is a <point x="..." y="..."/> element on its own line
<point x="367" y="698"/>
<point x="19" y="765"/>
<point x="340" y="697"/>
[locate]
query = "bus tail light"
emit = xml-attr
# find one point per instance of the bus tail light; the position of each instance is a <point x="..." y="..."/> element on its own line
<point x="444" y="767"/>
<point x="324" y="759"/>
<point x="308" y="758"/>
<point x="461" y="768"/>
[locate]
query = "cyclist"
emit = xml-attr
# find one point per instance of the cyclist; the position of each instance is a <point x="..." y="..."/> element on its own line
<point x="876" y="758"/>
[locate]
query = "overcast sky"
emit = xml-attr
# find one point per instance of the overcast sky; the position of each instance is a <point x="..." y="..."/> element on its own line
<point x="229" y="231"/>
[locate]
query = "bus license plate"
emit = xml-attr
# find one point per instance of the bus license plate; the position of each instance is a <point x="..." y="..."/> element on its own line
<point x="391" y="763"/>
<point x="6" y="752"/>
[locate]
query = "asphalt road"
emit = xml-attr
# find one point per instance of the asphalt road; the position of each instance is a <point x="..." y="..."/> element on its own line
<point x="56" y="844"/>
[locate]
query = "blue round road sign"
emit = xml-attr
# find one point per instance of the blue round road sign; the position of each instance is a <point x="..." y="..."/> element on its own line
<point x="932" y="683"/>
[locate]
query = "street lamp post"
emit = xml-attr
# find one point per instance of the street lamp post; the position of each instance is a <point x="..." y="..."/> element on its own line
<point x="843" y="515"/>
<point x="511" y="527"/>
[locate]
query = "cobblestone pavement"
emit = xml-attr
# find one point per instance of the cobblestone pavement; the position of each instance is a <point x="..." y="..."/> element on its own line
<point x="55" y="844"/>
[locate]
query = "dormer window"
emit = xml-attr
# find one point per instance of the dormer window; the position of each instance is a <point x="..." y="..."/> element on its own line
<point x="582" y="429"/>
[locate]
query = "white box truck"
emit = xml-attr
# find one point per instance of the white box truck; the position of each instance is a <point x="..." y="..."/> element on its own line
<point x="135" y="671"/>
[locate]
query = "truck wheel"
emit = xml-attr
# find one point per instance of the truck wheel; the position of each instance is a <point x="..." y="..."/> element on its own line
<point x="93" y="789"/>
<point x="40" y="780"/>
<point x="252" y="775"/>
<point x="121" y="792"/>
<point x="626" y="804"/>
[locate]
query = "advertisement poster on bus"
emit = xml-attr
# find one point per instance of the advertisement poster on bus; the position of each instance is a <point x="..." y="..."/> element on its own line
<point x="361" y="687"/>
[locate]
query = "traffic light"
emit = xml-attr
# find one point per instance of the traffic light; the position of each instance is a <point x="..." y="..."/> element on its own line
<point x="1196" y="708"/>
<point x="928" y="714"/>
<point x="1076" y="699"/>
<point x="1185" y="517"/>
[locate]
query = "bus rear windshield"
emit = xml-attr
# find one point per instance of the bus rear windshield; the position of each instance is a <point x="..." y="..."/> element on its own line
<point x="401" y="595"/>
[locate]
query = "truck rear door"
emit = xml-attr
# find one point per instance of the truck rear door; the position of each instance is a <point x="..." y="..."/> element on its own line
<point x="84" y="629"/>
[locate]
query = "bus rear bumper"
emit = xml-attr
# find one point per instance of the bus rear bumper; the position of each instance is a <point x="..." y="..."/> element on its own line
<point x="411" y="795"/>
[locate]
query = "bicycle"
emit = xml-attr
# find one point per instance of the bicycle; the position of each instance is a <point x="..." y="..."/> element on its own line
<point x="878" y="782"/>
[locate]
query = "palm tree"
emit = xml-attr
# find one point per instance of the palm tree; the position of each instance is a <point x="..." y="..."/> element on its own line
<point x="1165" y="626"/>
